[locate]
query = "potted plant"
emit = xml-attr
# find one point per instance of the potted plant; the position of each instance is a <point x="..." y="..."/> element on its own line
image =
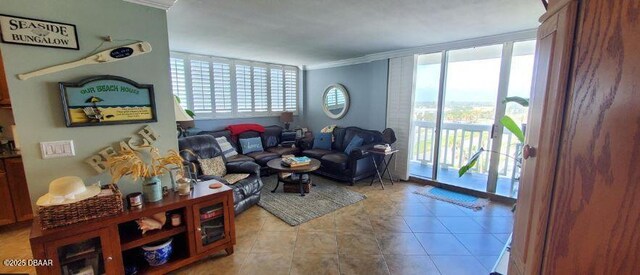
<point x="148" y="165"/>
<point x="511" y="125"/>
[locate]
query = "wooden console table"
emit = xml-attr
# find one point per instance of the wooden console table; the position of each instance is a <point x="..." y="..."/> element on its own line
<point x="114" y="242"/>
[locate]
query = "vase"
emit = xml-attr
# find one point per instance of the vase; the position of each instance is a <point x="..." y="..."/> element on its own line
<point x="158" y="254"/>
<point x="152" y="189"/>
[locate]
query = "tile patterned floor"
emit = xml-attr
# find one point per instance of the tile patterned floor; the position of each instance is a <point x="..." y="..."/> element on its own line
<point x="393" y="231"/>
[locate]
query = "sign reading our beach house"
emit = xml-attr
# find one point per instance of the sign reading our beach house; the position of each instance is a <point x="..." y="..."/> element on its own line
<point x="107" y="100"/>
<point x="20" y="30"/>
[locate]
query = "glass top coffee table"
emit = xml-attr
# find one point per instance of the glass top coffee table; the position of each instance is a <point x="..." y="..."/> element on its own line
<point x="276" y="164"/>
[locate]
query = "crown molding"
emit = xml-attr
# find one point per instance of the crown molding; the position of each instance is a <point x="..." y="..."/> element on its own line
<point x="460" y="44"/>
<point x="158" y="4"/>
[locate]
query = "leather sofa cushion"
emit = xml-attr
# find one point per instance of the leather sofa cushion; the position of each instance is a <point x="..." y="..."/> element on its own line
<point x="263" y="157"/>
<point x="222" y="133"/>
<point x="335" y="161"/>
<point x="238" y="158"/>
<point x="271" y="136"/>
<point x="246" y="187"/>
<point x="338" y="139"/>
<point x="283" y="150"/>
<point x="315" y="153"/>
<point x="242" y="189"/>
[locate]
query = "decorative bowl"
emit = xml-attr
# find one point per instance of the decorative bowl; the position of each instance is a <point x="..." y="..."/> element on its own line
<point x="158" y="253"/>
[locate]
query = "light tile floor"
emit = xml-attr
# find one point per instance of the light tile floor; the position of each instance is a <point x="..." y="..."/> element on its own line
<point x="393" y="231"/>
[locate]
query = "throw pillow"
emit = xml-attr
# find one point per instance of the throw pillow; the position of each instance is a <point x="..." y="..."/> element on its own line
<point x="272" y="141"/>
<point x="353" y="144"/>
<point x="328" y="129"/>
<point x="213" y="166"/>
<point x="225" y="147"/>
<point x="322" y="141"/>
<point x="233" y="178"/>
<point x="250" y="145"/>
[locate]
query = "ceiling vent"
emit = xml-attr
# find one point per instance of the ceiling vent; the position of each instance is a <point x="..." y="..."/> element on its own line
<point x="159" y="4"/>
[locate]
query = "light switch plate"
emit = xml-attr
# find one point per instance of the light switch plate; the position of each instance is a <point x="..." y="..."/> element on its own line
<point x="57" y="149"/>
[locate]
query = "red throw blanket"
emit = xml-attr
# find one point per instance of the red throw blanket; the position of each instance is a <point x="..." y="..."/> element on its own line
<point x="241" y="128"/>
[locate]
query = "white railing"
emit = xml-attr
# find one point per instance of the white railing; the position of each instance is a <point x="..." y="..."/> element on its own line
<point x="458" y="143"/>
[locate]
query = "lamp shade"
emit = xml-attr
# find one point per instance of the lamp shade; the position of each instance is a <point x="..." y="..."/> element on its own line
<point x="286" y="117"/>
<point x="181" y="115"/>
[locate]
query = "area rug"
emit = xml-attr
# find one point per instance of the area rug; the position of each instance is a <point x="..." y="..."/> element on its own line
<point x="327" y="196"/>
<point x="463" y="200"/>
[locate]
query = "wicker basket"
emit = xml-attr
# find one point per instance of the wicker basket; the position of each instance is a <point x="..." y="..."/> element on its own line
<point x="107" y="203"/>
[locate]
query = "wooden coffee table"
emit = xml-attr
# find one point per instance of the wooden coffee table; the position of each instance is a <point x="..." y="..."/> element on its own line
<point x="276" y="164"/>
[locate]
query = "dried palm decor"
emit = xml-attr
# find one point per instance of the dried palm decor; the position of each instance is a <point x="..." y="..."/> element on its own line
<point x="147" y="165"/>
<point x="134" y="164"/>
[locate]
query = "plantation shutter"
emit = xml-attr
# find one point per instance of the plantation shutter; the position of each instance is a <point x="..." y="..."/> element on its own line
<point x="217" y="87"/>
<point x="277" y="89"/>
<point x="243" y="88"/>
<point x="291" y="89"/>
<point x="222" y="87"/>
<point x="260" y="94"/>
<point x="178" y="80"/>
<point x="399" y="108"/>
<point x="201" y="86"/>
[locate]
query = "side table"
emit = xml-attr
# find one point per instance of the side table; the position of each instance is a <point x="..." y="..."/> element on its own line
<point x="384" y="162"/>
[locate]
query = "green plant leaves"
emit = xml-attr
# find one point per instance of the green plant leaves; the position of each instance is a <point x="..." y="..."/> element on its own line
<point x="189" y="112"/>
<point x="520" y="100"/>
<point x="470" y="162"/>
<point x="512" y="127"/>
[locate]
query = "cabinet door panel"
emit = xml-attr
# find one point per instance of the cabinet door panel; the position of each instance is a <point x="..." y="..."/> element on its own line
<point x="91" y="250"/>
<point x="595" y="214"/>
<point x="4" y="89"/>
<point x="19" y="190"/>
<point x="6" y="213"/>
<point x="212" y="227"/>
<point x="549" y="89"/>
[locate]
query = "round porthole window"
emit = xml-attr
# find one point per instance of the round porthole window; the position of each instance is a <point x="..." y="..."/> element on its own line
<point x="335" y="101"/>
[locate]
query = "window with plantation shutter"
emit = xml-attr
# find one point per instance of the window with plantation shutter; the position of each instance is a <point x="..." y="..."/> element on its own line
<point x="260" y="93"/>
<point x="243" y="88"/>
<point x="215" y="87"/>
<point x="277" y="90"/>
<point x="222" y="88"/>
<point x="201" y="86"/>
<point x="290" y="89"/>
<point x="178" y="81"/>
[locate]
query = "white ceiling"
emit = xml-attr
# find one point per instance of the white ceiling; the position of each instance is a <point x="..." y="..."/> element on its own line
<point x="309" y="32"/>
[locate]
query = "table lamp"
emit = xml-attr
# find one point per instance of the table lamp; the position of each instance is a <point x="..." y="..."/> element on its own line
<point x="183" y="120"/>
<point x="286" y="118"/>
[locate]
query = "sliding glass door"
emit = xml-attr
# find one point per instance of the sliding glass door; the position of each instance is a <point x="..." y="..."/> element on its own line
<point x="425" y="114"/>
<point x="520" y="76"/>
<point x="458" y="105"/>
<point x="470" y="93"/>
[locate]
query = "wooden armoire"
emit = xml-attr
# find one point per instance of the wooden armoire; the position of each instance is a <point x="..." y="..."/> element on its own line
<point x="578" y="209"/>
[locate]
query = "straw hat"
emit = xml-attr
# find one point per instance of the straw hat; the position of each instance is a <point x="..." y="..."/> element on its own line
<point x="67" y="190"/>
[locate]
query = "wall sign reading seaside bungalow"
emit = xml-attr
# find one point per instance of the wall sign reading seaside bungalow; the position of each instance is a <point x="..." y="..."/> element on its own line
<point x="20" y="30"/>
<point x="107" y="100"/>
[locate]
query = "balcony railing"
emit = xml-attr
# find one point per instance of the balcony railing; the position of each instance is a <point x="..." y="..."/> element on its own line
<point x="458" y="143"/>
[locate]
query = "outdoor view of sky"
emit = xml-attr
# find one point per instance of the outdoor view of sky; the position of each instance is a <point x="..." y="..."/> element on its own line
<point x="473" y="81"/>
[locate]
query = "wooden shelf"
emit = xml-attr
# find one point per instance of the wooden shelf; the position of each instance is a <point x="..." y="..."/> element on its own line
<point x="212" y="218"/>
<point x="130" y="241"/>
<point x="87" y="255"/>
<point x="174" y="261"/>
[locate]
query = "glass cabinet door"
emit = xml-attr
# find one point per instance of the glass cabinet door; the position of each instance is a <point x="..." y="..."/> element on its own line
<point x="212" y="224"/>
<point x="88" y="253"/>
